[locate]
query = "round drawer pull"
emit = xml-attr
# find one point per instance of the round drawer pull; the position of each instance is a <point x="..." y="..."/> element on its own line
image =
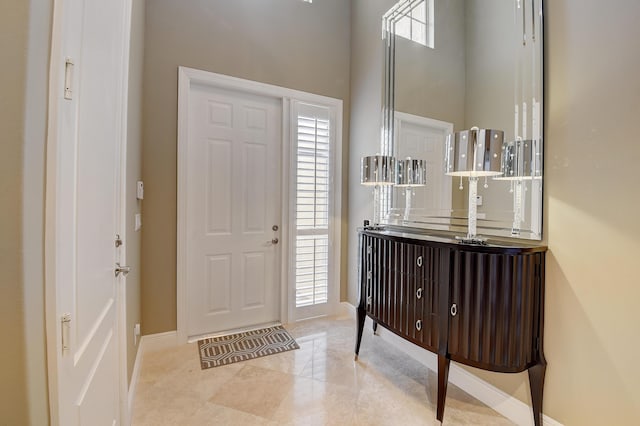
<point x="419" y="325"/>
<point x="419" y="293"/>
<point x="419" y="261"/>
<point x="454" y="310"/>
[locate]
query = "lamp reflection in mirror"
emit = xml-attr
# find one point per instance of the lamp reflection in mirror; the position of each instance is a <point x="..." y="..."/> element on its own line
<point x="411" y="173"/>
<point x="376" y="171"/>
<point x="474" y="153"/>
<point x="521" y="161"/>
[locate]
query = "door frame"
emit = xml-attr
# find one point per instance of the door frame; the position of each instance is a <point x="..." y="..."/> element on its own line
<point x="186" y="78"/>
<point x="52" y="243"/>
<point x="126" y="403"/>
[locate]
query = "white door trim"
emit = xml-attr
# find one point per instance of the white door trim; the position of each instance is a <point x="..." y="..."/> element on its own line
<point x="125" y="412"/>
<point x="189" y="76"/>
<point x="53" y="334"/>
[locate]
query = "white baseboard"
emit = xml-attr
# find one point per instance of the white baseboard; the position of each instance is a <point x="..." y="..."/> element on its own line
<point x="135" y="376"/>
<point x="505" y="404"/>
<point x="154" y="342"/>
<point x="151" y="342"/>
<point x="346" y="310"/>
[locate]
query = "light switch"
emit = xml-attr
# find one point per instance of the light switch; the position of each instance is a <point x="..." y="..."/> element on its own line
<point x="138" y="222"/>
<point x="136" y="334"/>
<point x="139" y="190"/>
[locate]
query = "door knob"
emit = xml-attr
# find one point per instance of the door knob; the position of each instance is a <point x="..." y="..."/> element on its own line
<point x="122" y="269"/>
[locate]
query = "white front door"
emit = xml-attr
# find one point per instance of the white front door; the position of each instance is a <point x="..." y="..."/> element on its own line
<point x="424" y="138"/>
<point x="233" y="210"/>
<point x="86" y="138"/>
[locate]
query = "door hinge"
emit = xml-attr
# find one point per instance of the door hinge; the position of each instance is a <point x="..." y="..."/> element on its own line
<point x="66" y="328"/>
<point x="68" y="79"/>
<point x="118" y="240"/>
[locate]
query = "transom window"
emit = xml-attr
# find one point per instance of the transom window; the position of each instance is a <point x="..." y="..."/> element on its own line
<point x="413" y="20"/>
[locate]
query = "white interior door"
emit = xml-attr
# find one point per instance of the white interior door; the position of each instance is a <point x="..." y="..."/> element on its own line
<point x="233" y="206"/>
<point x="90" y="42"/>
<point x="424" y="138"/>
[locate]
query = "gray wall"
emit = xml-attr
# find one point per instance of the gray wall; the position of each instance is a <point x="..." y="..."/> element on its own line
<point x="366" y="113"/>
<point x="133" y="174"/>
<point x="14" y="25"/>
<point x="592" y="104"/>
<point x="286" y="43"/>
<point x="24" y="45"/>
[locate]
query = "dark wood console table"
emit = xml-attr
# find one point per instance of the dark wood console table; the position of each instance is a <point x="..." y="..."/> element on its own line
<point x="479" y="305"/>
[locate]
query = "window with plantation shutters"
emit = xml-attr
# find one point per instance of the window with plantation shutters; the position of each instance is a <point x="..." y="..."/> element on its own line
<point x="312" y="205"/>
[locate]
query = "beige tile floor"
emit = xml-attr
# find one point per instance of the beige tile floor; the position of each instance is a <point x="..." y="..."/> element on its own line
<point x="319" y="384"/>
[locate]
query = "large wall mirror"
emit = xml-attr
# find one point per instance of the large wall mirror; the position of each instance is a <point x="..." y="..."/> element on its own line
<point x="454" y="65"/>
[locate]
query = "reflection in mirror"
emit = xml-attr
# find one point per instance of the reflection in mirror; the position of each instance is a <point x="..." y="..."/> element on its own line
<point x="450" y="66"/>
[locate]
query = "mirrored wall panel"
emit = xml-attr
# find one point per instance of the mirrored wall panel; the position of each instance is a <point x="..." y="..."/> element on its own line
<point x="452" y="66"/>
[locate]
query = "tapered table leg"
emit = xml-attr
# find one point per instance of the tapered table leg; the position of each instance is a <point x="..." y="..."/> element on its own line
<point x="536" y="383"/>
<point x="443" y="380"/>
<point x="360" y="317"/>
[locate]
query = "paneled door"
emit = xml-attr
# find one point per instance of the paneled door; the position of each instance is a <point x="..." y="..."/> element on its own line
<point x="88" y="95"/>
<point x="424" y="138"/>
<point x="233" y="210"/>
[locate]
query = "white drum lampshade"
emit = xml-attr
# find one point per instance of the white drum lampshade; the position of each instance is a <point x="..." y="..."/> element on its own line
<point x="411" y="172"/>
<point x="521" y="160"/>
<point x="378" y="170"/>
<point x="474" y="153"/>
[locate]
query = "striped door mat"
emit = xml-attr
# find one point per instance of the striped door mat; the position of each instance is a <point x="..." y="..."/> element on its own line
<point x="222" y="350"/>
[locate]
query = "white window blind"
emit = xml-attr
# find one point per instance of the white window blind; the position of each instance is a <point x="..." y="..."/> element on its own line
<point x="312" y="205"/>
